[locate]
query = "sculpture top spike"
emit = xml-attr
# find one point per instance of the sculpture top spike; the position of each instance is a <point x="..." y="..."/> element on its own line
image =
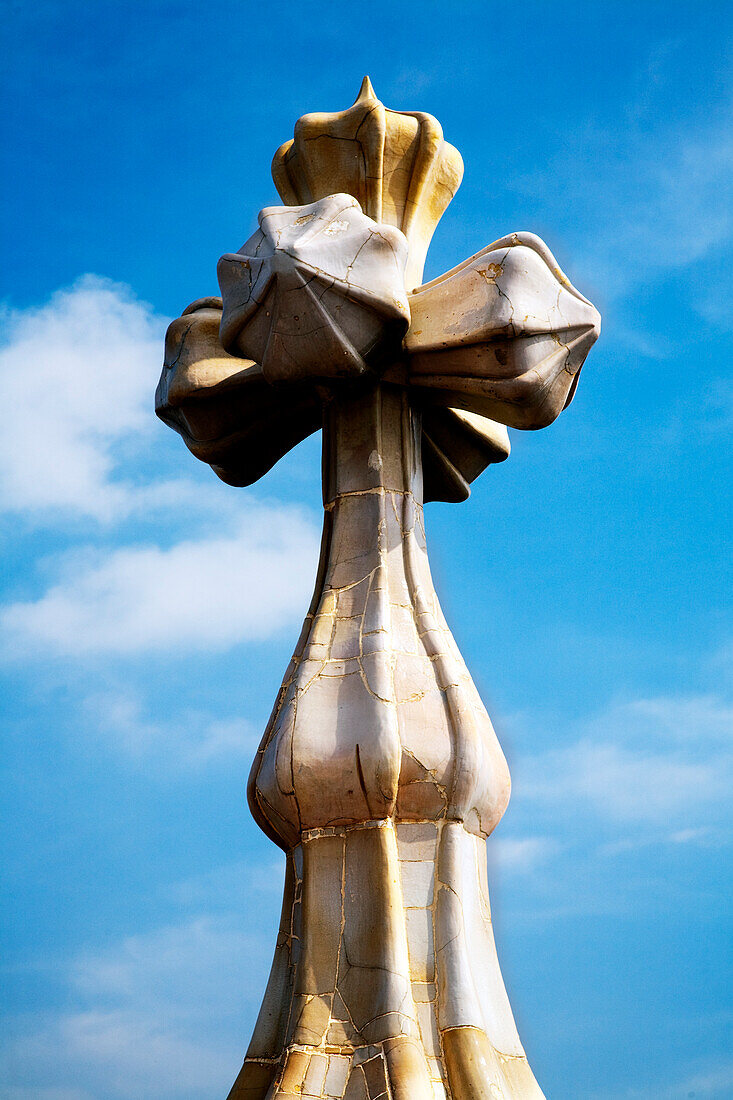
<point x="395" y="163"/>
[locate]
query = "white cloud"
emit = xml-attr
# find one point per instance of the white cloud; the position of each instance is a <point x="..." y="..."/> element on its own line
<point x="185" y="966"/>
<point x="627" y="784"/>
<point x="691" y="719"/>
<point x="77" y="377"/>
<point x="162" y="1016"/>
<point x="198" y="594"/>
<point x="122" y="1053"/>
<point x="521" y="855"/>
<point x="182" y="742"/>
<point x="701" y="837"/>
<point x="664" y="761"/>
<point x="657" y="201"/>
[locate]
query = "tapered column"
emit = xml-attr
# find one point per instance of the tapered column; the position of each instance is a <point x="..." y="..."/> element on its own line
<point x="381" y="775"/>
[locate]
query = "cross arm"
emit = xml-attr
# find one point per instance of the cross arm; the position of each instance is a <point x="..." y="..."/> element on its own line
<point x="221" y="405"/>
<point x="502" y="335"/>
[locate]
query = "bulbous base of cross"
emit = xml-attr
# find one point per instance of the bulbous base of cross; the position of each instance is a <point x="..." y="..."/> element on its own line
<point x="381" y="776"/>
<point x="385" y="981"/>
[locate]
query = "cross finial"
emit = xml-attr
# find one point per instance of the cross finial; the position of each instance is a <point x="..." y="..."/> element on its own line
<point x="379" y="772"/>
<point x="323" y="294"/>
<point x="366" y="91"/>
<point x="395" y="163"/>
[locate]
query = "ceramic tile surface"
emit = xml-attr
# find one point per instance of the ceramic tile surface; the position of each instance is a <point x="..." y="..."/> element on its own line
<point x="379" y="773"/>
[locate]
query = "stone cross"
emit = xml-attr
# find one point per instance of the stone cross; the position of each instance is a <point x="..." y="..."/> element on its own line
<point x="379" y="773"/>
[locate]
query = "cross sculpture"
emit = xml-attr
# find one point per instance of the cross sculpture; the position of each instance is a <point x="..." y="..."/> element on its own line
<point x="379" y="773"/>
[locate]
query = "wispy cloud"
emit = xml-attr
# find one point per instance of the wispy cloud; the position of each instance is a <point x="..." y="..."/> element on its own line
<point x="712" y="1083"/>
<point x="232" y="887"/>
<point x="179" y="964"/>
<point x="120" y="1053"/>
<point x="196" y="595"/>
<point x="691" y="719"/>
<point x="629" y="785"/>
<point x="653" y="200"/>
<point x="521" y="855"/>
<point x="165" y="1014"/>
<point x="663" y="761"/>
<point x="182" y="743"/>
<point x="76" y="382"/>
<point x="702" y="836"/>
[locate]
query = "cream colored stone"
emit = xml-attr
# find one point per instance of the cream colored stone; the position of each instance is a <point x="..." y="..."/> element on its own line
<point x="429" y="1029"/>
<point x="323" y="872"/>
<point x="436" y="1069"/>
<point x="317" y="293"/>
<point x="476" y="1072"/>
<point x="419" y="924"/>
<point x="417" y="841"/>
<point x="315" y="1078"/>
<point x="221" y="405"/>
<point x="471" y="989"/>
<point x="423" y="992"/>
<point x="457" y="446"/>
<point x="421" y="798"/>
<point x="438" y="1090"/>
<point x="374" y="972"/>
<point x="396" y="164"/>
<point x="337" y="1075"/>
<point x="296" y="1067"/>
<point x="341" y="1033"/>
<point x="253" y="1082"/>
<point x="363" y="1054"/>
<point x="356" y="1088"/>
<point x="375" y="1073"/>
<point x="418" y="883"/>
<point x="407" y="1069"/>
<point x="379" y="772"/>
<point x="517" y="336"/>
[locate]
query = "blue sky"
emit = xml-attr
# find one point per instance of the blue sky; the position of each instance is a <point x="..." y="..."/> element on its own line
<point x="586" y="579"/>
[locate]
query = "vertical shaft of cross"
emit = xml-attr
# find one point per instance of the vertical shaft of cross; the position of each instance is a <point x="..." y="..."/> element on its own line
<point x="379" y="773"/>
<point x="371" y="465"/>
<point x="381" y="776"/>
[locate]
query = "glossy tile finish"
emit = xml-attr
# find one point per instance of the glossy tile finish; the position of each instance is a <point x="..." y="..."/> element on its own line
<point x="381" y="986"/>
<point x="395" y="163"/>
<point x="317" y="293"/>
<point x="379" y="773"/>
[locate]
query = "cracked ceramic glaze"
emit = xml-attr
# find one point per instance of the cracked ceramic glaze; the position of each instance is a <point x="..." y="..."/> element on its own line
<point x="503" y="334"/>
<point x="317" y="292"/>
<point x="379" y="773"/>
